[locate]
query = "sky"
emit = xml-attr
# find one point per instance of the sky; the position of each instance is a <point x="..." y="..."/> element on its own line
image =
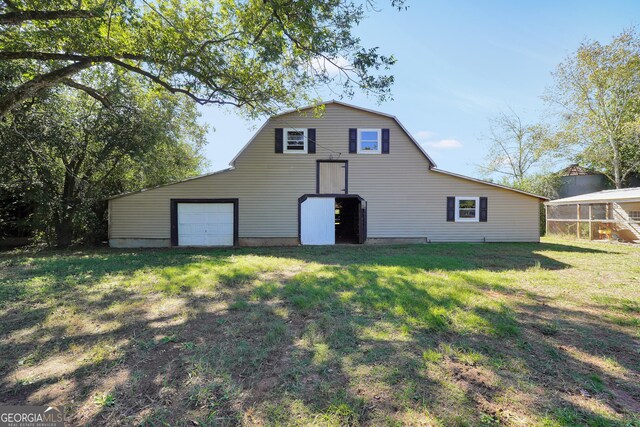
<point x="458" y="65"/>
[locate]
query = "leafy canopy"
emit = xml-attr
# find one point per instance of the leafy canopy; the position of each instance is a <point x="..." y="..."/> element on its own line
<point x="598" y="91"/>
<point x="261" y="55"/>
<point x="65" y="152"/>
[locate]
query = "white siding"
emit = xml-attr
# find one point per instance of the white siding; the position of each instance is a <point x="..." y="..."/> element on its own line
<point x="404" y="198"/>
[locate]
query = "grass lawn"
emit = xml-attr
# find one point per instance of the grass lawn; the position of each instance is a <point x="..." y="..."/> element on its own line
<point x="441" y="334"/>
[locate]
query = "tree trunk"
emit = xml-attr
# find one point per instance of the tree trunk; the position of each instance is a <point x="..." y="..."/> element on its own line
<point x="617" y="176"/>
<point x="66" y="211"/>
<point x="64" y="231"/>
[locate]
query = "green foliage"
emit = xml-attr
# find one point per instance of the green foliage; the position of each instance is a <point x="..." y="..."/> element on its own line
<point x="104" y="400"/>
<point x="543" y="184"/>
<point x="64" y="152"/>
<point x="598" y="92"/>
<point x="261" y="55"/>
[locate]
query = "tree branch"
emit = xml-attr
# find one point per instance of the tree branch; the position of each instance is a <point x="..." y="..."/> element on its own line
<point x="90" y="91"/>
<point x="494" y="170"/>
<point x="166" y="85"/>
<point x="10" y="99"/>
<point x="632" y="168"/>
<point x="18" y="17"/>
<point x="48" y="56"/>
<point x="43" y="81"/>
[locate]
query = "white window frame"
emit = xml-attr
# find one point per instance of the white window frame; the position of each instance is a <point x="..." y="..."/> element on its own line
<point x="457" y="208"/>
<point x="379" y="150"/>
<point x="285" y="141"/>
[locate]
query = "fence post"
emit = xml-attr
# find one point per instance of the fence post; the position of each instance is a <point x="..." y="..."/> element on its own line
<point x="578" y="220"/>
<point x="590" y="225"/>
<point x="546" y="220"/>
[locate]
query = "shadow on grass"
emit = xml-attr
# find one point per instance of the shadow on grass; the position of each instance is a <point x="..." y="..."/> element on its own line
<point x="363" y="335"/>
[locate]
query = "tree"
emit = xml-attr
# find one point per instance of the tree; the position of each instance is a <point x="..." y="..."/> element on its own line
<point x="67" y="151"/>
<point x="515" y="148"/>
<point x="598" y="91"/>
<point x="261" y="55"/>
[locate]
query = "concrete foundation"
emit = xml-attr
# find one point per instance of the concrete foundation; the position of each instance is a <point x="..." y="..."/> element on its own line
<point x="139" y="243"/>
<point x="269" y="241"/>
<point x="394" y="240"/>
<point x="166" y="243"/>
<point x="260" y="241"/>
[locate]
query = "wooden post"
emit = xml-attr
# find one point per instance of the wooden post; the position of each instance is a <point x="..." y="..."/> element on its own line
<point x="546" y="220"/>
<point x="590" y="225"/>
<point x="578" y="220"/>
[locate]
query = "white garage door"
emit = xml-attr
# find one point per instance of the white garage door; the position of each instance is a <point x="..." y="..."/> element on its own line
<point x="317" y="221"/>
<point x="205" y="224"/>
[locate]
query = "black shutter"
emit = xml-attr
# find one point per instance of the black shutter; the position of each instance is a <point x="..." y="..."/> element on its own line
<point x="279" y="138"/>
<point x="311" y="141"/>
<point x="483" y="209"/>
<point x="353" y="140"/>
<point x="451" y="208"/>
<point x="385" y="141"/>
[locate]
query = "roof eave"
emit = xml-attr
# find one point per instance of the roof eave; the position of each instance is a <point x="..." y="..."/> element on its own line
<point x="561" y="202"/>
<point x="117" y="196"/>
<point x="492" y="184"/>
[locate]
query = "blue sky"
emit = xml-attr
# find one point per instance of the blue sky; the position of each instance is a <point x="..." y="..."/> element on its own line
<point x="459" y="64"/>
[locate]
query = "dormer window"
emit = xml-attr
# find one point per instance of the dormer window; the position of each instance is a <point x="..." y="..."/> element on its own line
<point x="369" y="141"/>
<point x="295" y="141"/>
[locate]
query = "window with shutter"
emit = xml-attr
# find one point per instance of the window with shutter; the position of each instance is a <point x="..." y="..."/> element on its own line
<point x="467" y="209"/>
<point x="369" y="141"/>
<point x="295" y="141"/>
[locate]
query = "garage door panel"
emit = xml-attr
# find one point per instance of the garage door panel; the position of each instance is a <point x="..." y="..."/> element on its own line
<point x="205" y="224"/>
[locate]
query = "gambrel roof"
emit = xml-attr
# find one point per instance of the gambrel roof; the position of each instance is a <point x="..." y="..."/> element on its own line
<point x="432" y="164"/>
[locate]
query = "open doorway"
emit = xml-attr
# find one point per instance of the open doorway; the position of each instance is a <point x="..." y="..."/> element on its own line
<point x="349" y="220"/>
<point x="327" y="220"/>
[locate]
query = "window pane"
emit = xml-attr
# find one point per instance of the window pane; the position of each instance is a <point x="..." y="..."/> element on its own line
<point x="369" y="135"/>
<point x="467" y="204"/>
<point x="369" y="146"/>
<point x="467" y="213"/>
<point x="295" y="136"/>
<point x="295" y="140"/>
